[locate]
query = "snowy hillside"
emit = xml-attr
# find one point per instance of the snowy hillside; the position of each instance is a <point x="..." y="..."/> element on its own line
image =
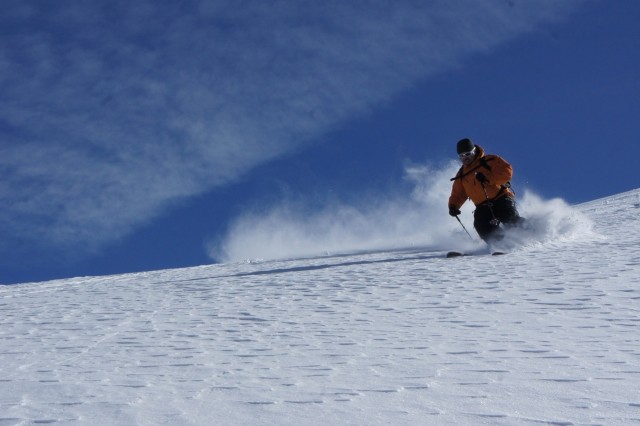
<point x="548" y="334"/>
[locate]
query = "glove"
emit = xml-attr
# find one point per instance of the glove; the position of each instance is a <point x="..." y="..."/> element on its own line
<point x="480" y="177"/>
<point x="453" y="211"/>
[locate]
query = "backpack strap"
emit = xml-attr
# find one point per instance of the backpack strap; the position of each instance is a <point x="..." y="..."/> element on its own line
<point x="483" y="163"/>
<point x="459" y="175"/>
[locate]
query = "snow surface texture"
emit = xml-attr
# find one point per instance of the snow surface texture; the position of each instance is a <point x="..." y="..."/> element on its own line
<point x="549" y="334"/>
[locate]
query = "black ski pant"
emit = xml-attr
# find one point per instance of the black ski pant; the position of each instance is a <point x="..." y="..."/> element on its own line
<point x="503" y="209"/>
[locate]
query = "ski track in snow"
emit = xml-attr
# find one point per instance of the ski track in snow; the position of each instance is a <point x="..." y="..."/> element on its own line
<point x="548" y="334"/>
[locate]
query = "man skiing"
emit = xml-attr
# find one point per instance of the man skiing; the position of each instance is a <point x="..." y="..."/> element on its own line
<point x="485" y="180"/>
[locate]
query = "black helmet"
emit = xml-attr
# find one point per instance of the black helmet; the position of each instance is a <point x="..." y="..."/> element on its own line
<point x="465" y="145"/>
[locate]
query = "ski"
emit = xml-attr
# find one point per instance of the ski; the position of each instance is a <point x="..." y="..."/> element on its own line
<point x="459" y="254"/>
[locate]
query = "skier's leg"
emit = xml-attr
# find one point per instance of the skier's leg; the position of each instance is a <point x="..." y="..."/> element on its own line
<point x="505" y="210"/>
<point x="482" y="223"/>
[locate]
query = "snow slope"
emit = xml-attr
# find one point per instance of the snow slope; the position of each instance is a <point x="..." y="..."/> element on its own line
<point x="549" y="334"/>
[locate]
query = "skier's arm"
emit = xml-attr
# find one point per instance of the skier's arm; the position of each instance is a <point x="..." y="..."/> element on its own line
<point x="458" y="194"/>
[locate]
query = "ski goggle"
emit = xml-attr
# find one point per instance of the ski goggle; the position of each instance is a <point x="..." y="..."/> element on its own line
<point x="464" y="155"/>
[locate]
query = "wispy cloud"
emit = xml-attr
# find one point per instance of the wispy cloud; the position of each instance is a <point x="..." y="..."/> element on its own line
<point x="114" y="110"/>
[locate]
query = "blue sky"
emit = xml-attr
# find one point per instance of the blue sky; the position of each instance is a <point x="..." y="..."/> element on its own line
<point x="152" y="135"/>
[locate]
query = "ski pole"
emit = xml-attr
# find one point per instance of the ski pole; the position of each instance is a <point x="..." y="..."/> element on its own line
<point x="463" y="227"/>
<point x="495" y="220"/>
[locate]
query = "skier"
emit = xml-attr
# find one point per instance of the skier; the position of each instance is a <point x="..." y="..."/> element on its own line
<point x="485" y="180"/>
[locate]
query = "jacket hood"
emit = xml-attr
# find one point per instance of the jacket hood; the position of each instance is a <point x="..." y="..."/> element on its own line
<point x="480" y="154"/>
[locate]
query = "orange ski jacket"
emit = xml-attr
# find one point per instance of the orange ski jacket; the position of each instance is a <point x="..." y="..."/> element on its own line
<point x="466" y="186"/>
